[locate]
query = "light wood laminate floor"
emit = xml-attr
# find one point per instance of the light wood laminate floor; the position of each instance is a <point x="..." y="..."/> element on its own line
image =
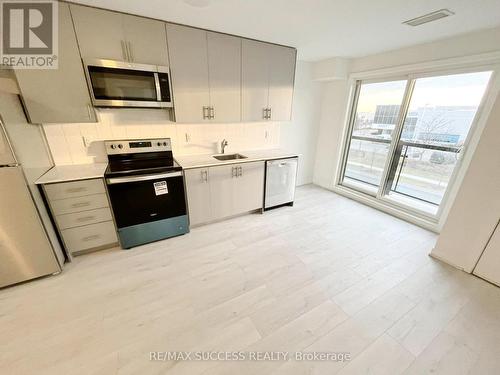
<point x="327" y="275"/>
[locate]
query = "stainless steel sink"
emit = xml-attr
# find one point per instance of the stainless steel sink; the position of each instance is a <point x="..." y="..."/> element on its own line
<point x="229" y="157"/>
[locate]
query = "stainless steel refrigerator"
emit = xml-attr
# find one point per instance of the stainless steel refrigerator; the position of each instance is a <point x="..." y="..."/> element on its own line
<point x="26" y="248"/>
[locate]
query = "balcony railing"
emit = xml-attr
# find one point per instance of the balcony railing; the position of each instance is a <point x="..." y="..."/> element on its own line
<point x="421" y="171"/>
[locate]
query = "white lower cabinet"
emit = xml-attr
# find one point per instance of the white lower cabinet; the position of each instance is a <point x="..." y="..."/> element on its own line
<point x="84" y="218"/>
<point x="77" y="204"/>
<point x="89" y="236"/>
<point x="249" y="187"/>
<point x="198" y="193"/>
<point x="223" y="191"/>
<point x="82" y="214"/>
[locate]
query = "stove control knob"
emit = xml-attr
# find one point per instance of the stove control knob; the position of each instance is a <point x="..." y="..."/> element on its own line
<point x="158" y="144"/>
<point x="120" y="146"/>
<point x="113" y="147"/>
<point x="165" y="144"/>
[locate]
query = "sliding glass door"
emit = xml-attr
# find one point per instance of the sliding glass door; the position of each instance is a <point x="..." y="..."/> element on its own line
<point x="374" y="120"/>
<point x="407" y="136"/>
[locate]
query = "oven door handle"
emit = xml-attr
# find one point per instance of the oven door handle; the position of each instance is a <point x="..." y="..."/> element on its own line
<point x="122" y="180"/>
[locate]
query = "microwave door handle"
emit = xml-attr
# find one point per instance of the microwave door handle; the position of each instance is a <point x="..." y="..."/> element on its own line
<point x="157" y="85"/>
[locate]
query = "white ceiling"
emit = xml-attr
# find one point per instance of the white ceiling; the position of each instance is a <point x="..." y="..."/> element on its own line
<point x="321" y="28"/>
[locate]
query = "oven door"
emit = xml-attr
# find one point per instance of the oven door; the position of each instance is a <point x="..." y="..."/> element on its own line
<point x="119" y="84"/>
<point x="146" y="198"/>
<point x="148" y="208"/>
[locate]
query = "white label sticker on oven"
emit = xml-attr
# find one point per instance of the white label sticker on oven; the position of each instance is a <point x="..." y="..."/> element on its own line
<point x="160" y="187"/>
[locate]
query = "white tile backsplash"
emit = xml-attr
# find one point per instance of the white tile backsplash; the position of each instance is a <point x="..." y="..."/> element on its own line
<point x="83" y="143"/>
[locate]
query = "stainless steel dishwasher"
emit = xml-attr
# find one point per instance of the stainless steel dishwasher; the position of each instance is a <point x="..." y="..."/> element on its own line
<point x="281" y="177"/>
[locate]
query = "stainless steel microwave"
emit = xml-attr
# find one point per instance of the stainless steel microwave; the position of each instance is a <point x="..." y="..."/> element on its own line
<point x="124" y="84"/>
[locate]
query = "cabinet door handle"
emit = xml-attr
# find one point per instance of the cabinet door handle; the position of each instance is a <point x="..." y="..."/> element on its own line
<point x="204" y="176"/>
<point x="130" y="55"/>
<point x="92" y="237"/>
<point x="80" y="204"/>
<point x="264" y="113"/>
<point x="205" y="113"/>
<point x="85" y="218"/>
<point x="240" y="171"/>
<point x="269" y="113"/>
<point x="124" y="51"/>
<point x="233" y="172"/>
<point x="76" y="190"/>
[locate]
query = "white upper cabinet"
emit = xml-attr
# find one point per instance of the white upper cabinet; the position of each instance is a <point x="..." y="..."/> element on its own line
<point x="99" y="32"/>
<point x="189" y="69"/>
<point x="206" y="75"/>
<point x="268" y="73"/>
<point x="58" y="95"/>
<point x="224" y="72"/>
<point x="147" y="40"/>
<point x="255" y="80"/>
<point x="215" y="77"/>
<point x="109" y="35"/>
<point x="281" y="80"/>
<point x="222" y="78"/>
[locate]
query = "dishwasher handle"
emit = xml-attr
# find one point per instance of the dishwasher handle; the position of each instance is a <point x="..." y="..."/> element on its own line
<point x="283" y="162"/>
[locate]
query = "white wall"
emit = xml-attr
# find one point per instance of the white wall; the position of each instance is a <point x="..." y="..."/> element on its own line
<point x="301" y="133"/>
<point x="333" y="111"/>
<point x="66" y="141"/>
<point x="463" y="45"/>
<point x="476" y="209"/>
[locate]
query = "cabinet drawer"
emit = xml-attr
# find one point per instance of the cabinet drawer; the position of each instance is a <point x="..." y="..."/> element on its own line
<point x="70" y="205"/>
<point x="74" y="189"/>
<point x="83" y="218"/>
<point x="89" y="236"/>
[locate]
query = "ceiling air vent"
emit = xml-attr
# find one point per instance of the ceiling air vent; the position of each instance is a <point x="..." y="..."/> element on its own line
<point x="429" y="17"/>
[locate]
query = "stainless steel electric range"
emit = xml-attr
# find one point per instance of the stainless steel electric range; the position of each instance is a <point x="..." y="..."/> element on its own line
<point x="146" y="189"/>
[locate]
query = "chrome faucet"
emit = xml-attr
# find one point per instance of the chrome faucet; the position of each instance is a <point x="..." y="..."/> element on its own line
<point x="223" y="145"/>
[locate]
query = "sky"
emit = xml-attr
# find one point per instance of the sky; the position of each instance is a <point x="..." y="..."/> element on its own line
<point x="451" y="90"/>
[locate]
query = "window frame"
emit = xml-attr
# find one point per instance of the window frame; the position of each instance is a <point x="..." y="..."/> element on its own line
<point x="356" y="80"/>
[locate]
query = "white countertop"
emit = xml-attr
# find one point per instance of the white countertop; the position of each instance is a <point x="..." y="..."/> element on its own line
<point x="199" y="161"/>
<point x="74" y="172"/>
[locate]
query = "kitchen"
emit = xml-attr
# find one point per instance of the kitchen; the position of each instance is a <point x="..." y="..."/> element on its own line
<point x="164" y="153"/>
<point x="126" y="78"/>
